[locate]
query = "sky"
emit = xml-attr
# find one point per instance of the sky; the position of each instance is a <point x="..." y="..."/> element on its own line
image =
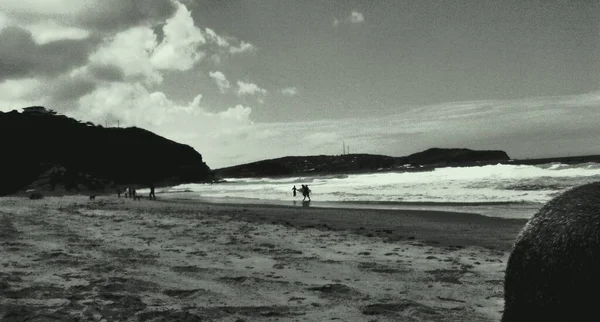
<point x="246" y="80"/>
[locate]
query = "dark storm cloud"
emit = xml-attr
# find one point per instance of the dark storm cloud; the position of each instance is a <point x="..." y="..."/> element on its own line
<point x="113" y="15"/>
<point x="159" y="32"/>
<point x="69" y="89"/>
<point x="105" y="16"/>
<point x="109" y="73"/>
<point x="20" y="56"/>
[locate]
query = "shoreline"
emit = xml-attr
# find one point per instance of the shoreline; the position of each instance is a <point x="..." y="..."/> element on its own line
<point x="434" y="227"/>
<point x="507" y="210"/>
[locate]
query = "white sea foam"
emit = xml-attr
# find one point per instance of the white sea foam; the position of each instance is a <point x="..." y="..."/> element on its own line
<point x="500" y="183"/>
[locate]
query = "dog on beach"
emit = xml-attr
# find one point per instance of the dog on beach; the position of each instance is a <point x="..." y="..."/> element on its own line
<point x="93" y="197"/>
<point x="553" y="271"/>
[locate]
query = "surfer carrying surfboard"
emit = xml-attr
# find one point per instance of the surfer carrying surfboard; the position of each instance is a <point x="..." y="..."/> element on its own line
<point x="305" y="192"/>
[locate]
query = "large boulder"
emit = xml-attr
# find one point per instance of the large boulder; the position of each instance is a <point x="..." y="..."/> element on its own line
<point x="553" y="272"/>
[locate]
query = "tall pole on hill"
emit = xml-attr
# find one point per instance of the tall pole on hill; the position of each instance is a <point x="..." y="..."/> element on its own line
<point x="343" y="147"/>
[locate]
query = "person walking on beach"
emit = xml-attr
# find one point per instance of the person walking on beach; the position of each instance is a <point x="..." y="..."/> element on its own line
<point x="152" y="195"/>
<point x="294" y="190"/>
<point x="307" y="192"/>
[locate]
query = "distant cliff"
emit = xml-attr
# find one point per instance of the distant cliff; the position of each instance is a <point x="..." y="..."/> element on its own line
<point x="438" y="156"/>
<point x="40" y="146"/>
<point x="357" y="163"/>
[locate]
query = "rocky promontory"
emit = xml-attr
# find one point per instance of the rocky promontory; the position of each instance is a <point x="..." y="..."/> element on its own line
<point x="43" y="148"/>
<point x="361" y="163"/>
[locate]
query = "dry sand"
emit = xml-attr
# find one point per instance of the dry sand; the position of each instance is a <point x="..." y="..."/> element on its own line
<point x="72" y="259"/>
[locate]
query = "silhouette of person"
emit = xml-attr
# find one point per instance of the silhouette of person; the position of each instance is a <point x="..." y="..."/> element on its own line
<point x="119" y="192"/>
<point x="152" y="195"/>
<point x="305" y="192"/>
<point x="294" y="190"/>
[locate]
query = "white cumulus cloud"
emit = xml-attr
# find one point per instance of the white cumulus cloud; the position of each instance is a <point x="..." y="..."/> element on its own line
<point x="356" y="17"/>
<point x="220" y="80"/>
<point x="139" y="54"/>
<point x="180" y="47"/>
<point x="242" y="48"/>
<point x="289" y="91"/>
<point x="249" y="89"/>
<point x="130" y="50"/>
<point x="238" y="113"/>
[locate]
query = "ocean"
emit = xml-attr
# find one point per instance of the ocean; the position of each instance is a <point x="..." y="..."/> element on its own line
<point x="502" y="190"/>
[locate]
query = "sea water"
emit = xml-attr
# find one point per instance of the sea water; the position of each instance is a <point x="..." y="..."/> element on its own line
<point x="513" y="190"/>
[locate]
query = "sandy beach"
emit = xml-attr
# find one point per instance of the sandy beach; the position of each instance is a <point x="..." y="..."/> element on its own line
<point x="72" y="259"/>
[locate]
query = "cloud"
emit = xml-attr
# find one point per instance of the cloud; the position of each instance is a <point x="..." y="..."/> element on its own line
<point x="242" y="48"/>
<point x="66" y="88"/>
<point x="225" y="46"/>
<point x="98" y="16"/>
<point x="47" y="8"/>
<point x="109" y="73"/>
<point x="20" y="56"/>
<point x="44" y="33"/>
<point x="179" y="49"/>
<point x="145" y="39"/>
<point x="130" y="51"/>
<point x="221" y="81"/>
<point x="289" y="91"/>
<point x="219" y="40"/>
<point x="111" y="15"/>
<point x="61" y="91"/>
<point x="137" y="52"/>
<point x="131" y="103"/>
<point x="354" y="17"/>
<point x="16" y="94"/>
<point x="4" y="22"/>
<point x="249" y="89"/>
<point x="238" y="113"/>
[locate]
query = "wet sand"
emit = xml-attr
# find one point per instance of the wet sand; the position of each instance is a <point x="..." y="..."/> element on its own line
<point x="72" y="259"/>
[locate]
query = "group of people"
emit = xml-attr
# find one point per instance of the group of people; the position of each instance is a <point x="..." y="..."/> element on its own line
<point x="132" y="193"/>
<point x="304" y="190"/>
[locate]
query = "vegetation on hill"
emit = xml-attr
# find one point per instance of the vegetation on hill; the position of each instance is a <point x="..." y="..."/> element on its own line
<point x="47" y="148"/>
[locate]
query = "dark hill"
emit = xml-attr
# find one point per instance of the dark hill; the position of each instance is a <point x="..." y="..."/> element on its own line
<point x="308" y="164"/>
<point x="356" y="163"/>
<point x="38" y="143"/>
<point x="435" y="156"/>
